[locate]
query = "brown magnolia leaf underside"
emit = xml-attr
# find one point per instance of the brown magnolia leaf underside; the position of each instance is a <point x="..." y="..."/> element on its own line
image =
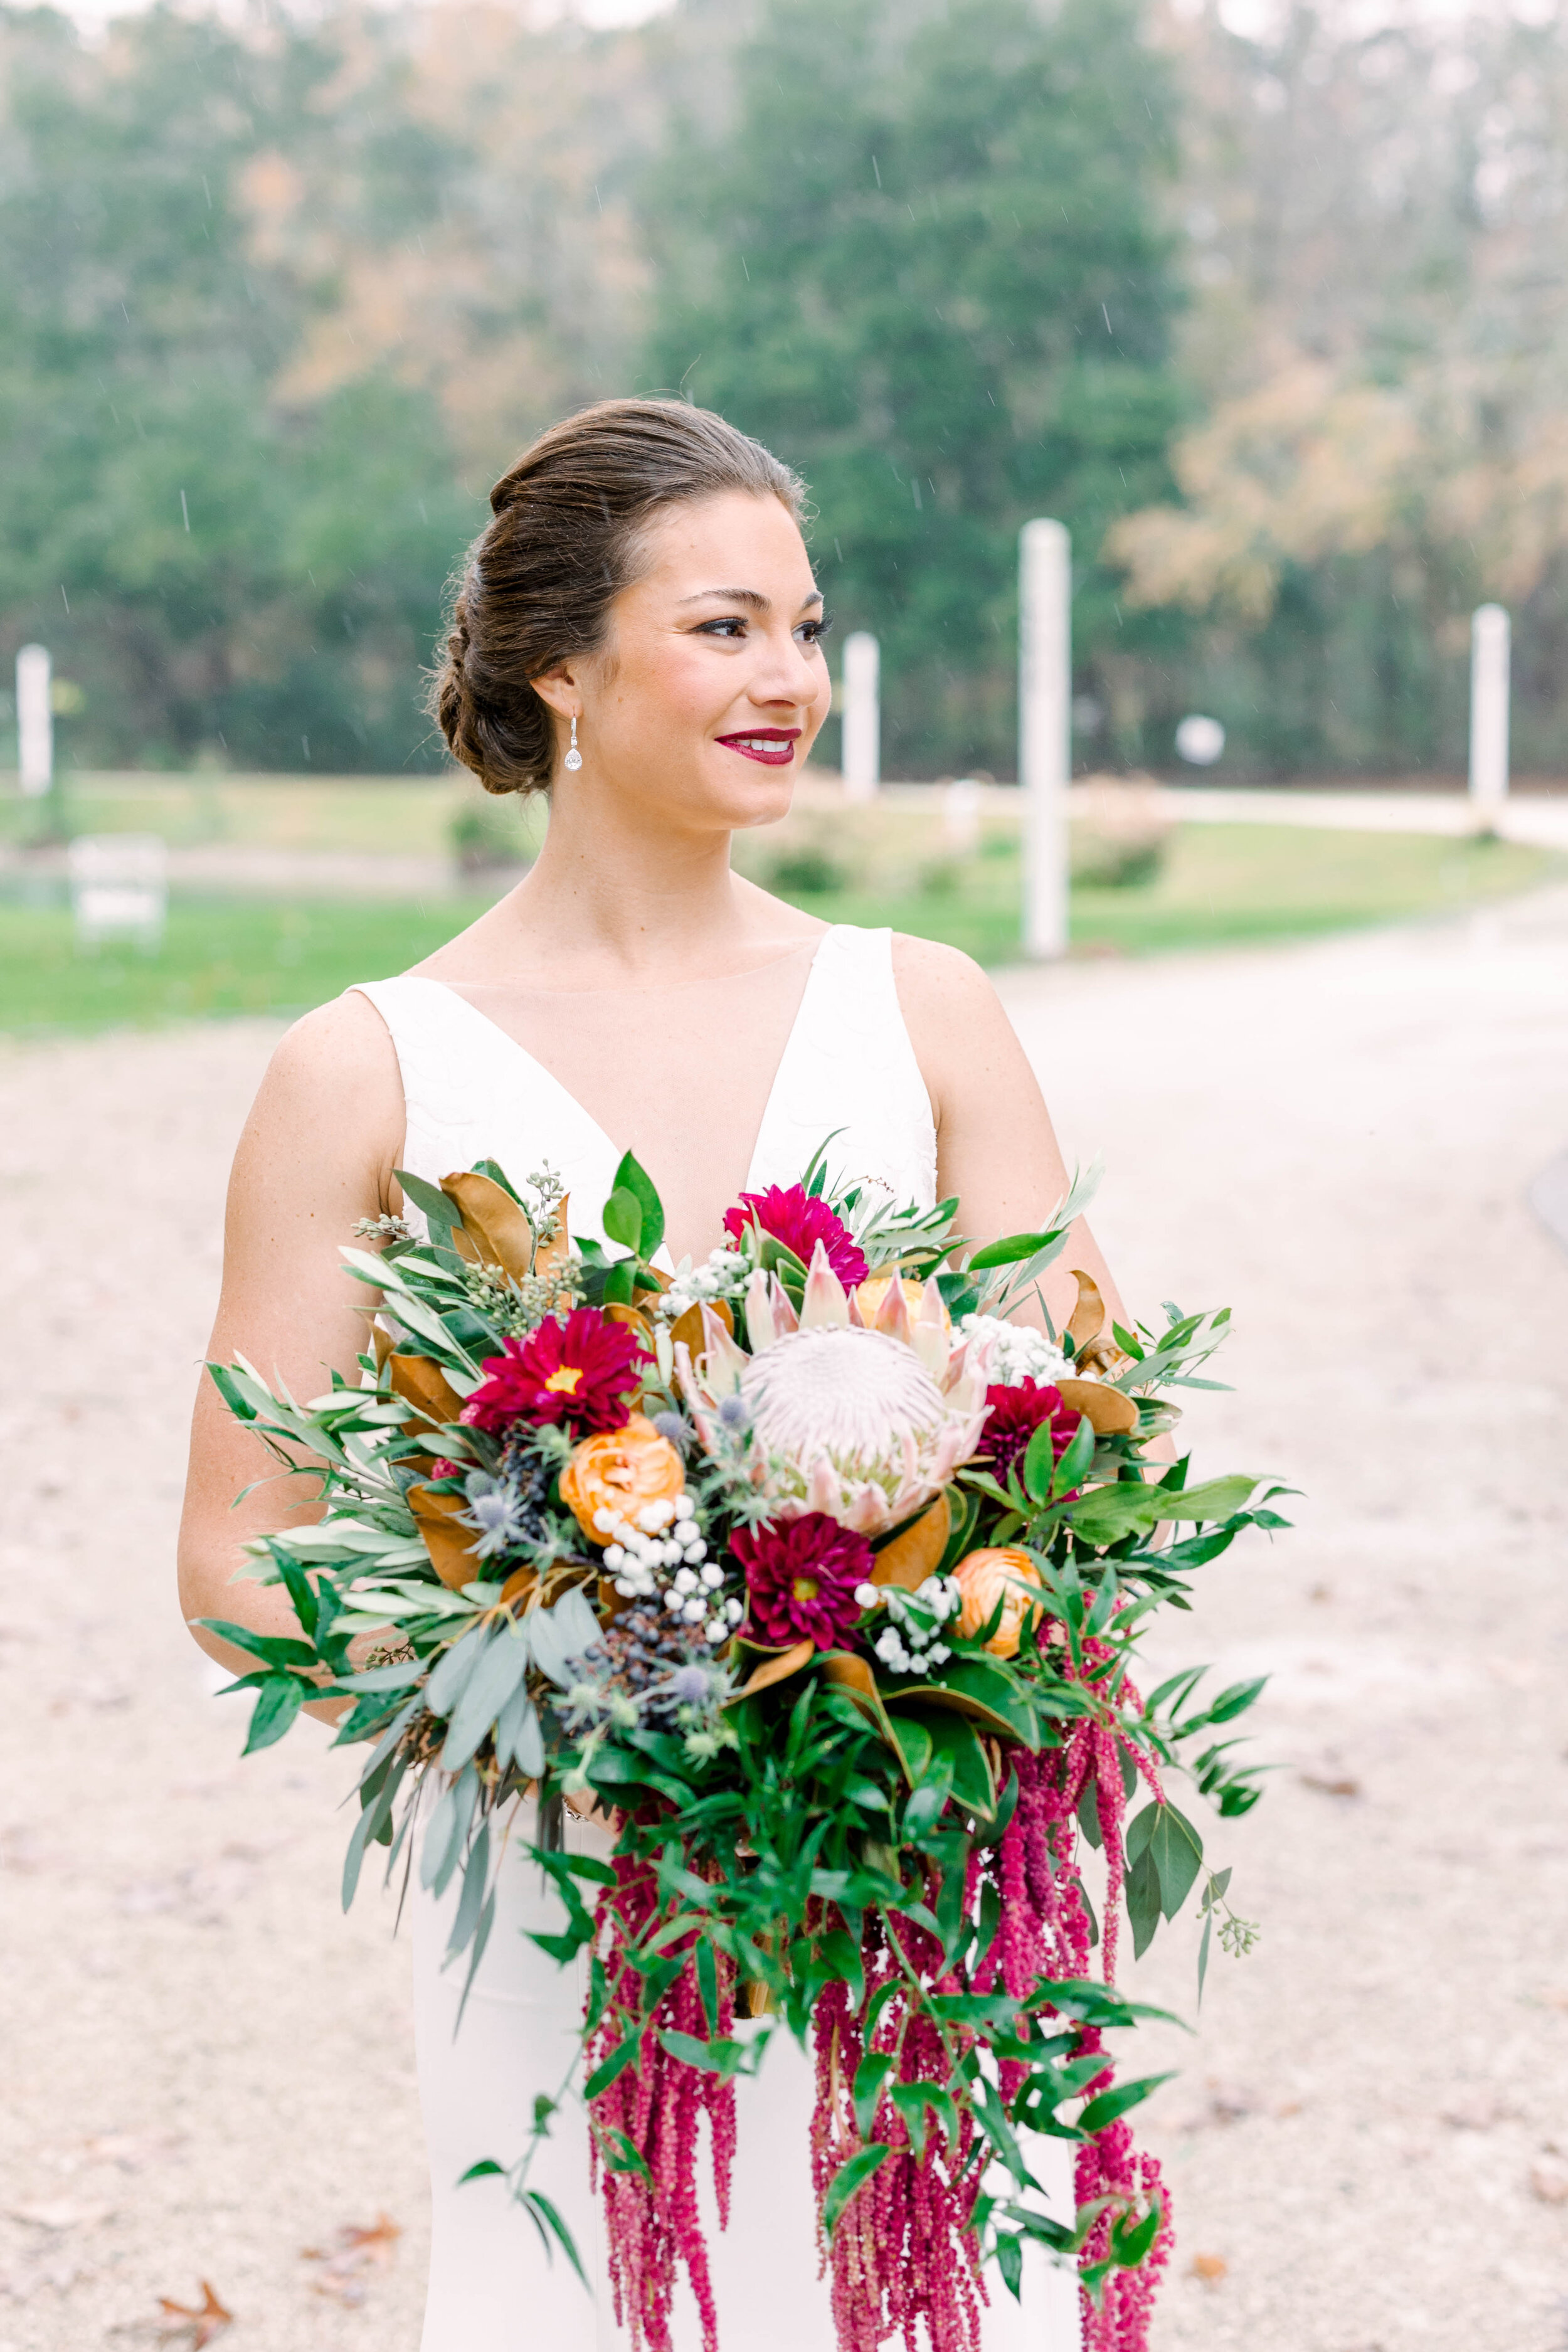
<point x="1109" y="1410"/>
<point x="495" y="1226"/>
<point x="912" y="1557"/>
<point x="453" y="1547"/>
<point x="689" y="1326"/>
<point x="425" y="1386"/>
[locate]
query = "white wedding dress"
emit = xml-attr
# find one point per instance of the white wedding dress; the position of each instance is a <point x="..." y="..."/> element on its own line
<point x="473" y="1092"/>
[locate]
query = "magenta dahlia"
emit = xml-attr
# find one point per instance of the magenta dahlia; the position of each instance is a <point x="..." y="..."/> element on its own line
<point x="800" y="1220"/>
<point x="803" y="1575"/>
<point x="582" y="1372"/>
<point x="1015" y="1413"/>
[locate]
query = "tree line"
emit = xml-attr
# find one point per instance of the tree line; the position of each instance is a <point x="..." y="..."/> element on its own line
<point x="1273" y="327"/>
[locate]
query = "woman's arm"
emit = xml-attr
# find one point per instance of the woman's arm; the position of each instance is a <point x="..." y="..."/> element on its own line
<point x="318" y="1152"/>
<point x="996" y="1148"/>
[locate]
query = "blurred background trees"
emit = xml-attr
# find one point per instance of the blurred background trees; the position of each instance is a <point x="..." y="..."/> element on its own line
<point x="1276" y="326"/>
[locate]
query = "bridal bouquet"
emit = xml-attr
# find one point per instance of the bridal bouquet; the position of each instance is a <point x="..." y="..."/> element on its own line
<point x="821" y="1578"/>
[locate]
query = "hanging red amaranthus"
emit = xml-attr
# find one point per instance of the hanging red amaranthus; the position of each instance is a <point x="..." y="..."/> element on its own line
<point x="653" y="2220"/>
<point x="904" y="2252"/>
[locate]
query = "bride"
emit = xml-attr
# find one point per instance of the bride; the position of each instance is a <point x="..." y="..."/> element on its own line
<point x="638" y="636"/>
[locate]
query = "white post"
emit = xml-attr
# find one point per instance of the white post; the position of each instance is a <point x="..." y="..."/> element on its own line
<point x="862" y="723"/>
<point x="1488" y="709"/>
<point x="961" y="816"/>
<point x="1045" y="721"/>
<point x="35" y="720"/>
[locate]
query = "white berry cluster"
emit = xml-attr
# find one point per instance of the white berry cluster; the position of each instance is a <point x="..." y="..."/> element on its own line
<point x="667" y="1538"/>
<point x="1017" y="1353"/>
<point x="911" y="1639"/>
<point x="722" y="1273"/>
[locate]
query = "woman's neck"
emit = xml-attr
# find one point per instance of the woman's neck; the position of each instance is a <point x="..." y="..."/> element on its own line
<point x="613" y="900"/>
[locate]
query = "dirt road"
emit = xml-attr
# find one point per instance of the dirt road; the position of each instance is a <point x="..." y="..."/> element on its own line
<point x="210" y="2069"/>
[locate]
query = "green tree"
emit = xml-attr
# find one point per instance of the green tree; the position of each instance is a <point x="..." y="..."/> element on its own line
<point x="924" y="261"/>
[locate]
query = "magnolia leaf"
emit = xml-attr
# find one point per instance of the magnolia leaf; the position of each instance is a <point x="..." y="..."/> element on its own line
<point x="914" y="1555"/>
<point x="454" y="1548"/>
<point x="425" y="1386"/>
<point x="1088" y="1316"/>
<point x="776" y="1669"/>
<point x="494" y="1222"/>
<point x="848" y="2181"/>
<point x="1108" y="1411"/>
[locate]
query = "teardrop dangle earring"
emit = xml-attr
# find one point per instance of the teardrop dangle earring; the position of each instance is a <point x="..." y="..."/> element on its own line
<point x="573" y="758"/>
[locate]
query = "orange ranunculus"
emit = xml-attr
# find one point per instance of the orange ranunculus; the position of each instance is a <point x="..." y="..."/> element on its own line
<point x="620" y="1470"/>
<point x="870" y="1294"/>
<point x="984" y="1578"/>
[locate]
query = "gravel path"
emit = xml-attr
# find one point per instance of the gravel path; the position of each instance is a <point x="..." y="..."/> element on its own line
<point x="209" y="2068"/>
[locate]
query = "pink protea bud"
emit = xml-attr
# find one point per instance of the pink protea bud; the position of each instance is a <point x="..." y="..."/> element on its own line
<point x="827" y="1301"/>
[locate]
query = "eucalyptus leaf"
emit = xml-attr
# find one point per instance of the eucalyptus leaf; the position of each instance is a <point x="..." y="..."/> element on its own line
<point x="501" y="1670"/>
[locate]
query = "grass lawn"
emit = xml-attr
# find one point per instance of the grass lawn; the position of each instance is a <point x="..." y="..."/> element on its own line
<point x="1220" y="885"/>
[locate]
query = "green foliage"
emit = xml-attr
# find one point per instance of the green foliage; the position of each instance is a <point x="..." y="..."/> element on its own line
<point x="923" y="260"/>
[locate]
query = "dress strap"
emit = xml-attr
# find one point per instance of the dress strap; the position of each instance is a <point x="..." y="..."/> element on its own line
<point x="850" y="1071"/>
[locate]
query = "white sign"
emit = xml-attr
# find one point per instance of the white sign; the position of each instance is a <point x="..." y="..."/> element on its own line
<point x="120" y="887"/>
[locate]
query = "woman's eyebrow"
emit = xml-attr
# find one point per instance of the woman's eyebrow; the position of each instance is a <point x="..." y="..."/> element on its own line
<point x="751" y="596"/>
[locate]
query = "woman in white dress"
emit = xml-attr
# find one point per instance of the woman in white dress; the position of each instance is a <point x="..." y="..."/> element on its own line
<point x="637" y="634"/>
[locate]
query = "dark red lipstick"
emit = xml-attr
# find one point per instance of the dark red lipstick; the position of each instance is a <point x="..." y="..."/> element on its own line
<point x="774" y="746"/>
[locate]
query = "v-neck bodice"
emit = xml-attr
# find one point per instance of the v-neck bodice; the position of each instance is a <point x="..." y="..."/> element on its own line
<point x="847" y="1069"/>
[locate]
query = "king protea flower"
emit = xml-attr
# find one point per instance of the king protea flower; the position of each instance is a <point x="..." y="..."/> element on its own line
<point x="864" y="1422"/>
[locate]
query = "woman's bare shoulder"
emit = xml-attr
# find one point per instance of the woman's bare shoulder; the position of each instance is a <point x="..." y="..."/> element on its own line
<point x="943" y="992"/>
<point x="333" y="1089"/>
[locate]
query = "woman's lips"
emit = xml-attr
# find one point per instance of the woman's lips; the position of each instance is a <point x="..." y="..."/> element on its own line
<point x="774" y="746"/>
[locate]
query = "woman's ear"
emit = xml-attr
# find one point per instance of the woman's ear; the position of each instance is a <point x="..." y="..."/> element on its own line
<point x="560" y="689"/>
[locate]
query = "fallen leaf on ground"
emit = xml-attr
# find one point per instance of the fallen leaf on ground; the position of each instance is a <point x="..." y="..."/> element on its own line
<point x="200" y="2322"/>
<point x="1549" y="2181"/>
<point x="353" y="2251"/>
<point x="1210" y="2268"/>
<point x="1329" y="1786"/>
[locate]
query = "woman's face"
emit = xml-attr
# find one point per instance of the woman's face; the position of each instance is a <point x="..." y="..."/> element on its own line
<point x="713" y="684"/>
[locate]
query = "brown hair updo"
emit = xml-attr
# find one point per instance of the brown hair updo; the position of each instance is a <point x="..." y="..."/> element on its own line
<point x="541" y="577"/>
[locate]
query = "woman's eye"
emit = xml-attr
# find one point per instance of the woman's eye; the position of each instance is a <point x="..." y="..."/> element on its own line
<point x="813" y="632"/>
<point x="731" y="626"/>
